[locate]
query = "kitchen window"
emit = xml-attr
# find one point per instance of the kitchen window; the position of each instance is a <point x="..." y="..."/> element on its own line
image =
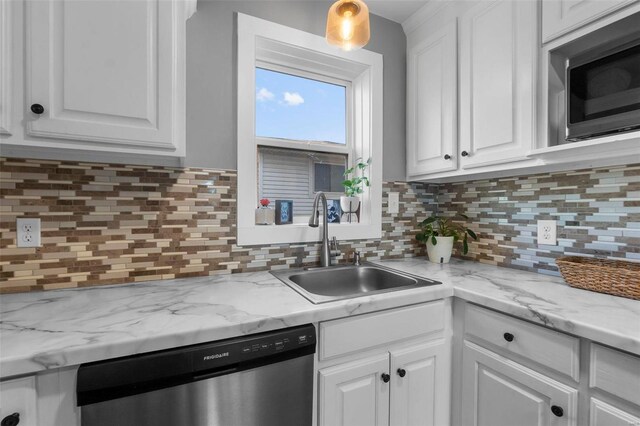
<point x="305" y="112"/>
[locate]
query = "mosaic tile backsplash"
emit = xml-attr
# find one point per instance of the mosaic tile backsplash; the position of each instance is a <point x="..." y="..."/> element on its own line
<point x="597" y="213"/>
<point x="110" y="224"/>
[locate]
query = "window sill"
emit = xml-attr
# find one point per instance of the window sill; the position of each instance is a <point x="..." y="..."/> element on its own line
<point x="303" y="233"/>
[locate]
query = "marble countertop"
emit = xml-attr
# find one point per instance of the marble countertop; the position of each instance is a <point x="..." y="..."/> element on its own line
<point x="53" y="329"/>
<point x="547" y="300"/>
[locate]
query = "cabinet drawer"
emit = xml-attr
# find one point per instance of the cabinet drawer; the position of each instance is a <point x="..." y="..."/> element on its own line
<point x="347" y="335"/>
<point x="615" y="372"/>
<point x="19" y="396"/>
<point x="552" y="349"/>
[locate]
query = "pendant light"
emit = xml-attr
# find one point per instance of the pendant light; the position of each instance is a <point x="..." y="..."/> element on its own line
<point x="348" y="24"/>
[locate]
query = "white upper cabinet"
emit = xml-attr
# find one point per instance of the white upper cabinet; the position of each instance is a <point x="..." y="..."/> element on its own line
<point x="5" y="67"/>
<point x="497" y="82"/>
<point x="562" y="16"/>
<point x="431" y="99"/>
<point x="106" y="73"/>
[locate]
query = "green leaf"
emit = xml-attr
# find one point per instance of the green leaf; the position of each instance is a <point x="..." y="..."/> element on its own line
<point x="464" y="216"/>
<point x="434" y="241"/>
<point x="473" y="234"/>
<point x="465" y="246"/>
<point x="421" y="237"/>
<point x="428" y="220"/>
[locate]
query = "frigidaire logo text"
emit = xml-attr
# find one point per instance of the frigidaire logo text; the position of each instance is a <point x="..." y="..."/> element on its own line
<point x="216" y="356"/>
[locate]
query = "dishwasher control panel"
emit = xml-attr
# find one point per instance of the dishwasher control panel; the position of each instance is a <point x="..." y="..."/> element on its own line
<point x="252" y="347"/>
<point x="119" y="377"/>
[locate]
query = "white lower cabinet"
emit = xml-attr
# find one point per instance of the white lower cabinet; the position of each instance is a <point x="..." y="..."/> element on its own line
<point x="419" y="385"/>
<point x="603" y="414"/>
<point x="354" y="393"/>
<point x="500" y="392"/>
<point x="18" y="401"/>
<point x="398" y="379"/>
<point x="407" y="386"/>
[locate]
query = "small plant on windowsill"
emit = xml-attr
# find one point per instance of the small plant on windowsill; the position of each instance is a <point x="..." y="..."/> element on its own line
<point x="354" y="184"/>
<point x="440" y="233"/>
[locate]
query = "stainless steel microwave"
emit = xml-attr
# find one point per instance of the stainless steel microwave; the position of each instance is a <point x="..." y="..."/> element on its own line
<point x="603" y="91"/>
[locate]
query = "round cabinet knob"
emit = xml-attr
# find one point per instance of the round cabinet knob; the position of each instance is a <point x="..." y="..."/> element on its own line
<point x="447" y="157"/>
<point x="557" y="411"/>
<point x="402" y="372"/>
<point x="37" y="109"/>
<point x="464" y="153"/>
<point x="508" y="337"/>
<point x="11" y="420"/>
<point x="386" y="377"/>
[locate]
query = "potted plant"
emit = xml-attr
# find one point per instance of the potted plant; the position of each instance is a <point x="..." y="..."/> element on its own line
<point x="354" y="183"/>
<point x="439" y="233"/>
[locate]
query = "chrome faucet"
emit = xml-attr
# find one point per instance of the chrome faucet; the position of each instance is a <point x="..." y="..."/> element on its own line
<point x="325" y="252"/>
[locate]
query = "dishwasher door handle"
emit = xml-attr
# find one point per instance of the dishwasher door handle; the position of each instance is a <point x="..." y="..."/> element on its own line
<point x="214" y="374"/>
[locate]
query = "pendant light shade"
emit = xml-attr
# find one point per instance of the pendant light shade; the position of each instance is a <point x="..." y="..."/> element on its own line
<point x="348" y="24"/>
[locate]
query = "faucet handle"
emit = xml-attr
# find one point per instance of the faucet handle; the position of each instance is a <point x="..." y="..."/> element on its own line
<point x="335" y="250"/>
<point x="356" y="258"/>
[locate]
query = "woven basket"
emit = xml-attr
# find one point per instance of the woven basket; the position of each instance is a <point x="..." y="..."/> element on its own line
<point x="615" y="277"/>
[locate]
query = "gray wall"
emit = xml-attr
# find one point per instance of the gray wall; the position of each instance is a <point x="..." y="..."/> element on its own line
<point x="211" y="87"/>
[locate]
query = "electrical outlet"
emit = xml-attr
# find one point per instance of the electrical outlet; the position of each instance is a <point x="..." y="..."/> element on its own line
<point x="394" y="202"/>
<point x="28" y="232"/>
<point x="547" y="233"/>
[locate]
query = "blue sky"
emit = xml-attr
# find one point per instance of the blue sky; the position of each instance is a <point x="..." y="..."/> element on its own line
<point x="297" y="108"/>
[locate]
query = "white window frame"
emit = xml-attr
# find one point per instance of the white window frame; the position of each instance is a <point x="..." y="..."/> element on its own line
<point x="268" y="45"/>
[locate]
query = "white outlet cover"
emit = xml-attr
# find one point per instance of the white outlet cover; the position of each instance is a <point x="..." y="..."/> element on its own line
<point x="394" y="202"/>
<point x="28" y="234"/>
<point x="547" y="232"/>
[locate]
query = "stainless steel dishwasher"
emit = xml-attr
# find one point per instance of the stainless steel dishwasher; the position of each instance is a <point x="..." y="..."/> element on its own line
<point x="261" y="379"/>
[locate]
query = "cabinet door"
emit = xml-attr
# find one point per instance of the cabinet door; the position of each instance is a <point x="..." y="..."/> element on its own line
<point x="431" y="103"/>
<point x="5" y="66"/>
<point x="19" y="396"/>
<point x="603" y="414"/>
<point x="562" y="16"/>
<point x="107" y="72"/>
<point x="499" y="392"/>
<point x="354" y="394"/>
<point x="497" y="82"/>
<point x="420" y="377"/>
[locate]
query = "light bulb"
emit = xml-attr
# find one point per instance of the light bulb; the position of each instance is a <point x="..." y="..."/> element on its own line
<point x="346" y="27"/>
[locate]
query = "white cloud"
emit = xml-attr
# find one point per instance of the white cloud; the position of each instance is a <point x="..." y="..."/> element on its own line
<point x="293" y="99"/>
<point x="264" y="95"/>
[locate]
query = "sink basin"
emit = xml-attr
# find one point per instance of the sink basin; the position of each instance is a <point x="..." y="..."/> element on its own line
<point x="344" y="282"/>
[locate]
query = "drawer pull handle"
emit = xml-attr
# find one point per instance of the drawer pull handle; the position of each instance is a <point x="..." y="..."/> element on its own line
<point x="11" y="420"/>
<point x="447" y="157"/>
<point x="402" y="372"/>
<point x="386" y="377"/>
<point x="557" y="411"/>
<point x="464" y="153"/>
<point x="508" y="337"/>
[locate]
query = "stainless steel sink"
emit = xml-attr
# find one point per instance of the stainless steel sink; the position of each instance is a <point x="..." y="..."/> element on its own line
<point x="321" y="285"/>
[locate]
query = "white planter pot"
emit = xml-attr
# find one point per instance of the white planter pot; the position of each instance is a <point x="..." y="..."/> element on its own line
<point x="441" y="252"/>
<point x="349" y="206"/>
